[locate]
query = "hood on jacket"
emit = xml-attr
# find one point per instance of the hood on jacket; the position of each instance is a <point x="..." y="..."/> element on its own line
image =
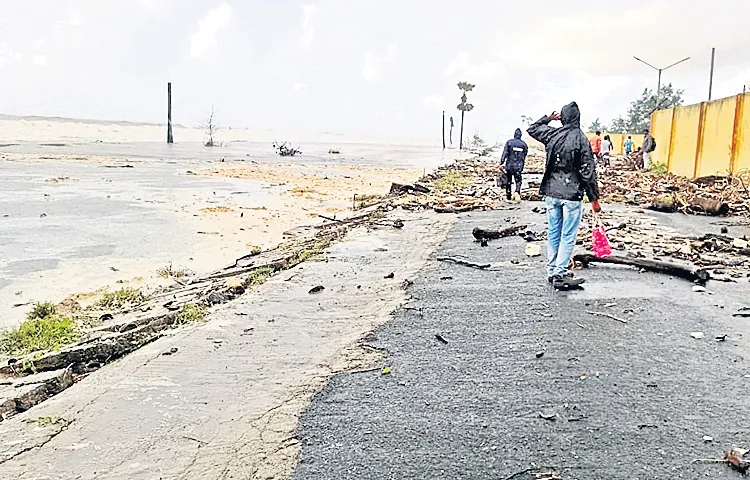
<point x="570" y="115"/>
<point x="518" y="134"/>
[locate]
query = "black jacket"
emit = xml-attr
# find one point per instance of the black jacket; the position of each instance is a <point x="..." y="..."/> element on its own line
<point x="514" y="153"/>
<point x="571" y="169"/>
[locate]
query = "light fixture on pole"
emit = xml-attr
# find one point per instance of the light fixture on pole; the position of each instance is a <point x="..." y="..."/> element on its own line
<point x="658" y="88"/>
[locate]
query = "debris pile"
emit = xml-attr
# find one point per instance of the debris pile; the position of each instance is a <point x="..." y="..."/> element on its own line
<point x="713" y="195"/>
<point x="285" y="149"/>
<point x="462" y="186"/>
<point x="641" y="237"/>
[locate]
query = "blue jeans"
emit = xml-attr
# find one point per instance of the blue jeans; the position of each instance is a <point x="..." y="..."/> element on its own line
<point x="563" y="219"/>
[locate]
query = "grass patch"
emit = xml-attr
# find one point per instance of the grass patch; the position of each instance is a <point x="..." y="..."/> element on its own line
<point x="452" y="181"/>
<point x="119" y="299"/>
<point x="306" y="254"/>
<point x="300" y="191"/>
<point x="365" y="200"/>
<point x="658" y="168"/>
<point x="42" y="310"/>
<point x="171" y="272"/>
<point x="259" y="276"/>
<point x="220" y="209"/>
<point x="43" y="330"/>
<point x="44" y="421"/>
<point x="254" y="249"/>
<point x="190" y="313"/>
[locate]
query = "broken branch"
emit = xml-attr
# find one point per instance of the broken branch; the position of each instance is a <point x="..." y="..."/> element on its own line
<point x="464" y="263"/>
<point x="489" y="234"/>
<point x="694" y="274"/>
<point x="602" y="314"/>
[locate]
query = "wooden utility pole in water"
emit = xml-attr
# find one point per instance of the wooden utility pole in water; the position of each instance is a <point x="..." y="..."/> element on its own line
<point x="170" y="139"/>
<point x="443" y="129"/>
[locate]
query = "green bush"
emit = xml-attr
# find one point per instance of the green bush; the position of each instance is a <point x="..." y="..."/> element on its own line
<point x="48" y="333"/>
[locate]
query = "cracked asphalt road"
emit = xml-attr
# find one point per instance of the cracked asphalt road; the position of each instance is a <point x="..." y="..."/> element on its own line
<point x="624" y="401"/>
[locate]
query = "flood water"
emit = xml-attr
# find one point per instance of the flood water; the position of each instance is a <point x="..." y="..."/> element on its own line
<point x="68" y="222"/>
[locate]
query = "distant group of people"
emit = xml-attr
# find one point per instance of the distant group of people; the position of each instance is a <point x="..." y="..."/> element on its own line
<point x="569" y="174"/>
<point x="602" y="148"/>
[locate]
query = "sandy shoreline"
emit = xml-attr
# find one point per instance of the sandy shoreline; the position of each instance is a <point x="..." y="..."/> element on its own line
<point x="205" y="225"/>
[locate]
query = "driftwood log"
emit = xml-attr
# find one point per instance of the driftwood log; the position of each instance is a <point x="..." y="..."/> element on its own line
<point x="489" y="234"/>
<point x="460" y="209"/>
<point x="694" y="274"/>
<point x="399" y="188"/>
<point x="710" y="206"/>
<point x="457" y="261"/>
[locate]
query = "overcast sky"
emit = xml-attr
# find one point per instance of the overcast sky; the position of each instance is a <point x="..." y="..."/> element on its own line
<point x="381" y="67"/>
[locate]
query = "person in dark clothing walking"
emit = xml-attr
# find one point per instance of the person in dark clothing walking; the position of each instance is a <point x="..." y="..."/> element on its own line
<point x="514" y="158"/>
<point x="570" y="173"/>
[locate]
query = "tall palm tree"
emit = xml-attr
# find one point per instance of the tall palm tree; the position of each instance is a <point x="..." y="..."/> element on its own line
<point x="464" y="107"/>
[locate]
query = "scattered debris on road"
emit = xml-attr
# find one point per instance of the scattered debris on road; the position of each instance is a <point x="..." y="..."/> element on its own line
<point x="457" y="261"/>
<point x="607" y="315"/>
<point x="533" y="250"/>
<point x="737" y="458"/>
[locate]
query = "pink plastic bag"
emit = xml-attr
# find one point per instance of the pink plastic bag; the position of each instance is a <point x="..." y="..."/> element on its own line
<point x="600" y="245"/>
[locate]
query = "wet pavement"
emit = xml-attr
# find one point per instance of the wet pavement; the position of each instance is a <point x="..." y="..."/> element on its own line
<point x="224" y="402"/>
<point x="529" y="380"/>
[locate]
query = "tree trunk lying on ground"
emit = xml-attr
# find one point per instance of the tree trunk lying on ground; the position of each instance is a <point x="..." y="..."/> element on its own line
<point x="669" y="203"/>
<point x="664" y="203"/>
<point x="489" y="234"/>
<point x="711" y="206"/>
<point x="694" y="274"/>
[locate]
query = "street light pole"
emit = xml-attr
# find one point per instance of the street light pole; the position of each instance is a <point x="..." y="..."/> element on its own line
<point x="711" y="78"/>
<point x="660" y="70"/>
<point x="658" y="89"/>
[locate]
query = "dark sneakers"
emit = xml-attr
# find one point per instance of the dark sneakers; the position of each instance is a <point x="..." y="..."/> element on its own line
<point x="567" y="275"/>
<point x="566" y="282"/>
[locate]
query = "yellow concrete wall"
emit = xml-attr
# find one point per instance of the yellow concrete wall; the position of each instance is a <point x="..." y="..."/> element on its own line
<point x="684" y="140"/>
<point x="742" y="149"/>
<point x="721" y="147"/>
<point x="661" y="130"/>
<point x="716" y="146"/>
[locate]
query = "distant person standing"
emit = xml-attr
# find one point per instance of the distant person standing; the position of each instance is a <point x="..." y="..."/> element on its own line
<point x="629" y="145"/>
<point x="649" y="145"/>
<point x="596" y="145"/>
<point x="606" y="149"/>
<point x="514" y="159"/>
<point x="570" y="173"/>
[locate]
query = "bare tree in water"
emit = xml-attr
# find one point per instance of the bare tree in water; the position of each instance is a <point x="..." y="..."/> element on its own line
<point x="464" y="107"/>
<point x="210" y="127"/>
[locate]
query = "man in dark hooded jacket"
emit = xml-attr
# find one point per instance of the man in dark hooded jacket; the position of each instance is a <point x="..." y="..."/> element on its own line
<point x="514" y="158"/>
<point x="569" y="174"/>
